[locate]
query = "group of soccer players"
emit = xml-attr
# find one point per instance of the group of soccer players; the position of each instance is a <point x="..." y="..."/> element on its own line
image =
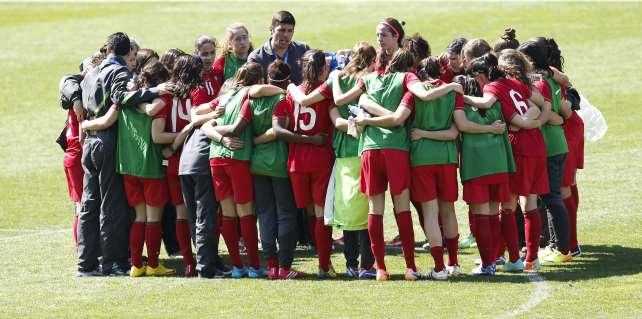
<point x="276" y="136"/>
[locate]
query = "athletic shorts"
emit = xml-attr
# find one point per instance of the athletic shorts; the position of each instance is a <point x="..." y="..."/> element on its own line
<point x="428" y="182"/>
<point x="74" y="175"/>
<point x="232" y="178"/>
<point x="530" y="177"/>
<point x="489" y="188"/>
<point x="149" y="191"/>
<point x="310" y="187"/>
<point x="380" y="167"/>
<point x="173" y="182"/>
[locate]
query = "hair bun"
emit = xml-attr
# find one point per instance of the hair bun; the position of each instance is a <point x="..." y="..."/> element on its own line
<point x="509" y="34"/>
<point x="403" y="23"/>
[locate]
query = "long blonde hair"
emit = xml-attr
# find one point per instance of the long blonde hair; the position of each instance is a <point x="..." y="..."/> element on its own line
<point x="229" y="33"/>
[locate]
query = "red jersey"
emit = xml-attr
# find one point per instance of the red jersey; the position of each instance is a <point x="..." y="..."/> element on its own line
<point x="218" y="69"/>
<point x="74" y="149"/>
<point x="308" y="120"/>
<point x="513" y="96"/>
<point x="212" y="84"/>
<point x="545" y="90"/>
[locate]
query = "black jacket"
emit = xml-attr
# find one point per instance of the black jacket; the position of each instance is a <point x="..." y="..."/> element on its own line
<point x="70" y="90"/>
<point x="115" y="76"/>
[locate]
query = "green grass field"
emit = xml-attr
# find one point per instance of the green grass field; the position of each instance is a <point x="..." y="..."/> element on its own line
<point x="41" y="41"/>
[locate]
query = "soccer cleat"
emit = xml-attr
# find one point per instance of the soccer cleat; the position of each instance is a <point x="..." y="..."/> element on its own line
<point x="576" y="252"/>
<point x="137" y="272"/>
<point x="517" y="266"/>
<point x="558" y="257"/>
<point x="238" y="272"/>
<point x="273" y="273"/>
<point x="467" y="242"/>
<point x="330" y="274"/>
<point x="352" y="272"/>
<point x="532" y="265"/>
<point x="438" y="275"/>
<point x="368" y="273"/>
<point x="543" y="253"/>
<point x="454" y="270"/>
<point x="190" y="270"/>
<point x="484" y="271"/>
<point x="500" y="260"/>
<point x="288" y="273"/>
<point x="91" y="273"/>
<point x="255" y="273"/>
<point x="382" y="275"/>
<point x="412" y="275"/>
<point x="159" y="271"/>
<point x="426" y="246"/>
<point x="395" y="242"/>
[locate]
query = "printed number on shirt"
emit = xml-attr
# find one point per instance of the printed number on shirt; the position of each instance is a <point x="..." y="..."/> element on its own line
<point x="300" y="123"/>
<point x="180" y="112"/>
<point x="520" y="105"/>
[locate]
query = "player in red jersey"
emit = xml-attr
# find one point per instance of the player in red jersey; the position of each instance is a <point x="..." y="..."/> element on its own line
<point x="307" y="129"/>
<point x="236" y="48"/>
<point x="205" y="48"/>
<point x="450" y="61"/>
<point x="506" y="41"/>
<point x="510" y="86"/>
<point x="473" y="49"/>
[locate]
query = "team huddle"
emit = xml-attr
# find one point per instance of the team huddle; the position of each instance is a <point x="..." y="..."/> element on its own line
<point x="299" y="140"/>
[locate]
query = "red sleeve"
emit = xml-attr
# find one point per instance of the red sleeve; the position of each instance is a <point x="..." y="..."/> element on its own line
<point x="218" y="68"/>
<point x="246" y="111"/>
<point x="361" y="84"/>
<point x="282" y="108"/>
<point x="544" y="89"/>
<point x="459" y="101"/>
<point x="325" y="90"/>
<point x="214" y="104"/>
<point x="563" y="91"/>
<point x="408" y="101"/>
<point x="164" y="112"/>
<point x="409" y="79"/>
<point x="198" y="96"/>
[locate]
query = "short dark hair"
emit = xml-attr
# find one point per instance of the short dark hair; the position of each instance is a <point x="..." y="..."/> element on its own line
<point x="119" y="43"/>
<point x="455" y="46"/>
<point x="282" y="17"/>
<point x="279" y="74"/>
<point x="428" y="68"/>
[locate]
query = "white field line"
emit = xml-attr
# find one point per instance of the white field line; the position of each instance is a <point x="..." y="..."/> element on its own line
<point x="540" y="294"/>
<point x="26" y="230"/>
<point x="30" y="234"/>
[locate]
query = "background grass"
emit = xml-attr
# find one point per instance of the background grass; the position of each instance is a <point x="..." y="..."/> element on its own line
<point x="41" y="41"/>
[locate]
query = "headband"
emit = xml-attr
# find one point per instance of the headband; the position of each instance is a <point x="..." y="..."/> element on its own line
<point x="282" y="80"/>
<point x="391" y="27"/>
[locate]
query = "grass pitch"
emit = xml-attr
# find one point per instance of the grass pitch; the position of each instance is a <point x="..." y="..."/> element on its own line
<point x="41" y="41"/>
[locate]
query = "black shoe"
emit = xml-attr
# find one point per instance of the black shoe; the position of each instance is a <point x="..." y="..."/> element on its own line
<point x="90" y="273"/>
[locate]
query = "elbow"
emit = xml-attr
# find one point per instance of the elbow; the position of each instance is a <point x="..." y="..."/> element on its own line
<point x="156" y="139"/>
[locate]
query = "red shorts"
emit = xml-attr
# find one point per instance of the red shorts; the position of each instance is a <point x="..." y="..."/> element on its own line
<point x="380" y="167"/>
<point x="530" y="177"/>
<point x="310" y="188"/>
<point x="149" y="191"/>
<point x="489" y="188"/>
<point x="433" y="181"/>
<point x="74" y="175"/>
<point x="232" y="178"/>
<point x="173" y="182"/>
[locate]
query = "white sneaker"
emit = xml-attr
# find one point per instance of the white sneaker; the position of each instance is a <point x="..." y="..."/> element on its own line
<point x="454" y="270"/>
<point x="438" y="275"/>
<point x="426" y="246"/>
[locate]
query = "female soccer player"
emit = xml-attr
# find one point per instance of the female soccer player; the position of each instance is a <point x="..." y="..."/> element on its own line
<point x="450" y="61"/>
<point x="236" y="48"/>
<point x="384" y="156"/>
<point x="350" y="206"/>
<point x="511" y="87"/>
<point x="433" y="160"/>
<point x="307" y="130"/>
<point x="205" y="48"/>
<point x="556" y="149"/>
<point x="506" y="41"/>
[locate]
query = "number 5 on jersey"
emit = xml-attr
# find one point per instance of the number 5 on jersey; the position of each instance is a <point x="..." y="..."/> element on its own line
<point x="300" y="123"/>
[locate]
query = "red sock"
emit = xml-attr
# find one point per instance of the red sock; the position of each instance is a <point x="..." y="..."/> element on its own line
<point x="184" y="241"/>
<point x="248" y="229"/>
<point x="312" y="225"/>
<point x="532" y="231"/>
<point x="231" y="237"/>
<point x="437" y="253"/>
<point x="136" y="240"/>
<point x="74" y="228"/>
<point x="407" y="236"/>
<point x="509" y="232"/>
<point x="272" y="263"/>
<point x="153" y="234"/>
<point x="452" y="244"/>
<point x="496" y="232"/>
<point x="484" y="239"/>
<point x="323" y="241"/>
<point x="420" y="213"/>
<point x="571" y="208"/>
<point x="375" y="230"/>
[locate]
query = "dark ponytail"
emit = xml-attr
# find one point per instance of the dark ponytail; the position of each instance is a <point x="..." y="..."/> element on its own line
<point x="312" y="64"/>
<point x="428" y="68"/>
<point x="486" y="65"/>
